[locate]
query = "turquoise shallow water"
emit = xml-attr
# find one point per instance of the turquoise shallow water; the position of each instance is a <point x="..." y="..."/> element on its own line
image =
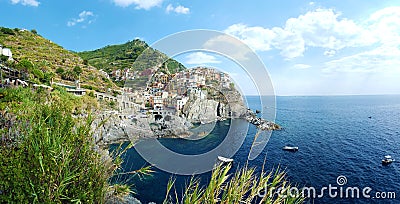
<point x="337" y="136"/>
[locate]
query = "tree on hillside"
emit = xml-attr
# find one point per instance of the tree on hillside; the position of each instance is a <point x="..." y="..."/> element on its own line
<point x="69" y="75"/>
<point x="7" y="31"/>
<point x="38" y="73"/>
<point x="77" y="70"/>
<point x="25" y="65"/>
<point x="48" y="76"/>
<point x="60" y="70"/>
<point x="3" y="58"/>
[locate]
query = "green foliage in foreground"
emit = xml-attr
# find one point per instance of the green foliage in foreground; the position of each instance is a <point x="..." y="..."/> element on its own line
<point x="47" y="152"/>
<point x="47" y="155"/>
<point x="244" y="186"/>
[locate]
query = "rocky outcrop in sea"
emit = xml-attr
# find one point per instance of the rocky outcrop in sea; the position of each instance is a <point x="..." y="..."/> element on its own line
<point x="260" y="123"/>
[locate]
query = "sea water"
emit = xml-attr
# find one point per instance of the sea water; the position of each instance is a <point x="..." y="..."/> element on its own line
<point x="337" y="136"/>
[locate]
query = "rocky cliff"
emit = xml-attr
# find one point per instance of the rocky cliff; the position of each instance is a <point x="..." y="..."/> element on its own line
<point x="112" y="127"/>
<point x="203" y="111"/>
<point x="229" y="104"/>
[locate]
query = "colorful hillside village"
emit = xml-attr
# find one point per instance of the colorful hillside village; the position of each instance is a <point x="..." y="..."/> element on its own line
<point x="170" y="92"/>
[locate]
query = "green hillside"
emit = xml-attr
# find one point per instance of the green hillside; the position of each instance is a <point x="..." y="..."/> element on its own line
<point x="44" y="60"/>
<point x="125" y="56"/>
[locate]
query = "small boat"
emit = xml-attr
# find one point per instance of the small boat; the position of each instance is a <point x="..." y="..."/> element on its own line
<point x="290" y="148"/>
<point x="387" y="160"/>
<point x="224" y="159"/>
<point x="258" y="111"/>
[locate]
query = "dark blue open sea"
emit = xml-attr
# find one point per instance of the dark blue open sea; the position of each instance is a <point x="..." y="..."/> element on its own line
<point x="336" y="135"/>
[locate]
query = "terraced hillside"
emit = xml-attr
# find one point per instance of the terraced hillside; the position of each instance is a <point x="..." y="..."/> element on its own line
<point x="121" y="61"/>
<point x="44" y="60"/>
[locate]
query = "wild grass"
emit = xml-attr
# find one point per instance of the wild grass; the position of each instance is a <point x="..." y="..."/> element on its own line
<point x="243" y="186"/>
<point x="47" y="155"/>
<point x="47" y="152"/>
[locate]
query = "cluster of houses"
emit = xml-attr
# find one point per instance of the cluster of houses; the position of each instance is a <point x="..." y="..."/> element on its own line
<point x="123" y="75"/>
<point x="170" y="92"/>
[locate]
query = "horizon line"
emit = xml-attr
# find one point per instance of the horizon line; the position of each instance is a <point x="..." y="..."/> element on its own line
<point x="318" y="95"/>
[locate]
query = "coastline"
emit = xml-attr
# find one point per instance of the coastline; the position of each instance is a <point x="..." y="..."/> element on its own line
<point x="113" y="127"/>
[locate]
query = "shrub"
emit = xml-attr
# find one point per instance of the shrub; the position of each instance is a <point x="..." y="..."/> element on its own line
<point x="244" y="186"/>
<point x="91" y="93"/>
<point x="3" y="58"/>
<point x="38" y="73"/>
<point x="48" y="156"/>
<point x="112" y="104"/>
<point x="77" y="70"/>
<point x="25" y="65"/>
<point x="60" y="70"/>
<point x="7" y="31"/>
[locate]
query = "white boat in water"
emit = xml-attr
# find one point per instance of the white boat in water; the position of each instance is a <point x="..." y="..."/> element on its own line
<point x="224" y="159"/>
<point x="387" y="160"/>
<point x="290" y="148"/>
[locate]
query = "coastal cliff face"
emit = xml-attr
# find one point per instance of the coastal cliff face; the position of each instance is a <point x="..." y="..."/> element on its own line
<point x="210" y="110"/>
<point x="111" y="127"/>
<point x="236" y="103"/>
<point x="203" y="111"/>
<point x="171" y="126"/>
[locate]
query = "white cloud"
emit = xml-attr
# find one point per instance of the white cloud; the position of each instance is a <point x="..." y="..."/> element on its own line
<point x="384" y="59"/>
<point x="201" y="58"/>
<point x="383" y="30"/>
<point x="257" y="38"/>
<point x="384" y="25"/>
<point x="301" y="66"/>
<point x="323" y="28"/>
<point x="330" y="53"/>
<point x="319" y="28"/>
<point x="26" y="2"/>
<point x="179" y="9"/>
<point x="84" y="16"/>
<point x="140" y="4"/>
<point x="375" y="39"/>
<point x="169" y="8"/>
<point x="228" y="46"/>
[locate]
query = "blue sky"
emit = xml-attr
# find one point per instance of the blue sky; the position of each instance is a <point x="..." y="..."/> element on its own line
<point x="331" y="47"/>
